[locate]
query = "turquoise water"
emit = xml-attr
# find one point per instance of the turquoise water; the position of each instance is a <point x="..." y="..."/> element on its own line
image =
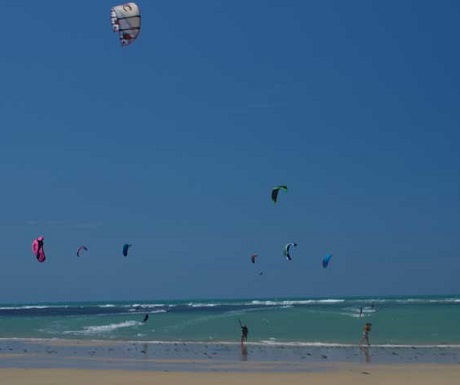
<point x="396" y="320"/>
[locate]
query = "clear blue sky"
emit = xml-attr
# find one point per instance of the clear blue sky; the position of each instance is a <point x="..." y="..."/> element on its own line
<point x="174" y="143"/>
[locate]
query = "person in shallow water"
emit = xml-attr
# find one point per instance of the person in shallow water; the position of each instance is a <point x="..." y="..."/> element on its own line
<point x="244" y="333"/>
<point x="146" y="318"/>
<point x="365" y="337"/>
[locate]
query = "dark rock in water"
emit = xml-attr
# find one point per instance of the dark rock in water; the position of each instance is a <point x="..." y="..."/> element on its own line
<point x="323" y="356"/>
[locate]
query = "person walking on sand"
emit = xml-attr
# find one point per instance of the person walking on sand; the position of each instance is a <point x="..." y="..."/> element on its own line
<point x="365" y="337"/>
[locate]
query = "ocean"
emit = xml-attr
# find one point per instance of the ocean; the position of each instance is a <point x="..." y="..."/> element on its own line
<point x="396" y="321"/>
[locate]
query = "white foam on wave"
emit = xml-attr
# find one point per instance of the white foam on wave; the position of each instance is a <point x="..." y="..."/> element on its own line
<point x="28" y="307"/>
<point x="408" y="301"/>
<point x="356" y="312"/>
<point x="158" y="311"/>
<point x="192" y="304"/>
<point x="296" y="302"/>
<point x="146" y="305"/>
<point x="88" y="330"/>
<point x="272" y="342"/>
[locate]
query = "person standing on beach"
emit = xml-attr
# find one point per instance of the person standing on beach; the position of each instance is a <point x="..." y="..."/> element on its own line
<point x="244" y="332"/>
<point x="365" y="337"/>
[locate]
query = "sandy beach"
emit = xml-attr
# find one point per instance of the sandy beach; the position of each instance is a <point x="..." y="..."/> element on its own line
<point x="346" y="374"/>
<point x="58" y="362"/>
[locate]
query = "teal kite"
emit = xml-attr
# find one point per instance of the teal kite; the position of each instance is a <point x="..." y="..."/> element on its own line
<point x="275" y="192"/>
<point x="287" y="250"/>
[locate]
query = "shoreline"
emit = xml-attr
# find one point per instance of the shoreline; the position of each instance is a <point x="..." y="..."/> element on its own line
<point x="209" y="356"/>
<point x="263" y="343"/>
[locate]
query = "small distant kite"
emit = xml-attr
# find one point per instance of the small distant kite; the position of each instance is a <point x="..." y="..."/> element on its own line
<point x="253" y="258"/>
<point x="326" y="260"/>
<point x="37" y="248"/>
<point x="126" y="246"/>
<point x="80" y="249"/>
<point x="287" y="250"/>
<point x="275" y="192"/>
<point x="126" y="20"/>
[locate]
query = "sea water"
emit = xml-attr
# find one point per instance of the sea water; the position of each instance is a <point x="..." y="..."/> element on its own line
<point x="396" y="321"/>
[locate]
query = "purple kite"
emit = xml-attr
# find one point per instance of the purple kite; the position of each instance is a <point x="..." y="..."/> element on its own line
<point x="37" y="248"/>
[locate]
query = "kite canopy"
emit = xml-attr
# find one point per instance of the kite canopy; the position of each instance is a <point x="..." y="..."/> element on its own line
<point x="275" y="192"/>
<point x="126" y="20"/>
<point x="253" y="258"/>
<point x="126" y="246"/>
<point x="287" y="250"/>
<point x="326" y="260"/>
<point x="80" y="249"/>
<point x="37" y="248"/>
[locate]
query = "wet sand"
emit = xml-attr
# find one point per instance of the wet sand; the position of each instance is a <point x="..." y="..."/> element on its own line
<point x="345" y="374"/>
<point x="213" y="356"/>
<point x="76" y="362"/>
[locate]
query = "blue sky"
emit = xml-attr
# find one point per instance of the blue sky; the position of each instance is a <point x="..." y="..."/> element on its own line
<point x="174" y="143"/>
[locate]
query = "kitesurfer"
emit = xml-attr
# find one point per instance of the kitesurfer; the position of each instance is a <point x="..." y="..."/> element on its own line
<point x="365" y="338"/>
<point x="244" y="333"/>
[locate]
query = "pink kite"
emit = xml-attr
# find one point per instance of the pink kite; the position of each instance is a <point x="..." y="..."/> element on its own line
<point x="37" y="248"/>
